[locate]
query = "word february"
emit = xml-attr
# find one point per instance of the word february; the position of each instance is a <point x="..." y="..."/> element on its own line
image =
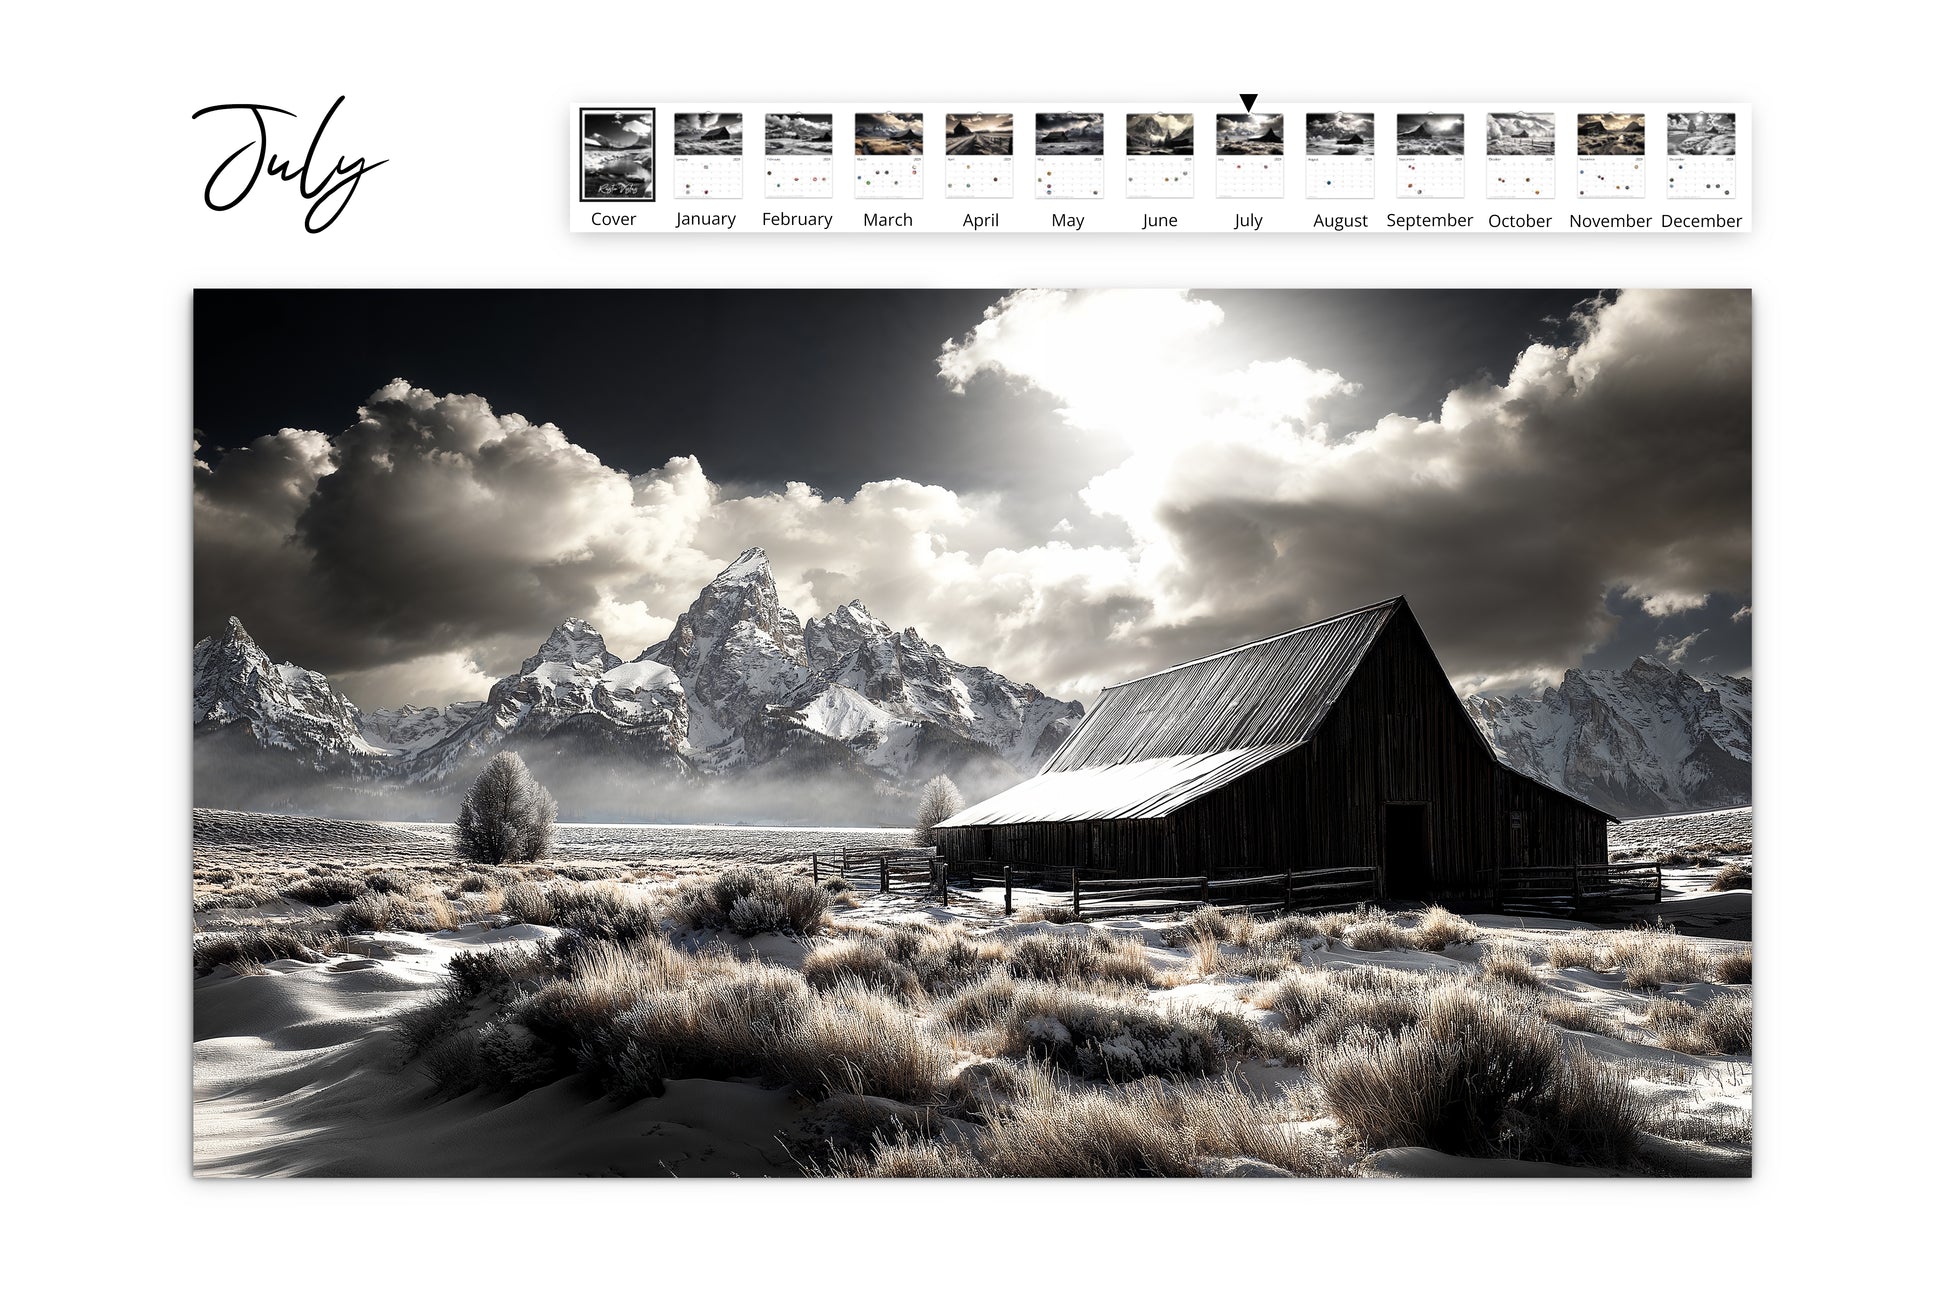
<point x="321" y="188"/>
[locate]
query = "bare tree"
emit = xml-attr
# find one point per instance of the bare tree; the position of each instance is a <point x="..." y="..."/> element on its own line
<point x="938" y="800"/>
<point x="506" y="816"/>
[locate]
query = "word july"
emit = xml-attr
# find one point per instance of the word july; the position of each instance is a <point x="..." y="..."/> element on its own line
<point x="321" y="187"/>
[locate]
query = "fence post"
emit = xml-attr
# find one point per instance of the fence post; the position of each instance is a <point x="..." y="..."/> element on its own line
<point x="1077" y="893"/>
<point x="814" y="869"/>
<point x="885" y="873"/>
<point x="1203" y="895"/>
<point x="1288" y="879"/>
<point x="1007" y="881"/>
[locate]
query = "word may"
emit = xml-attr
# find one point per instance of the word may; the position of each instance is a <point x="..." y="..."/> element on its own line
<point x="339" y="183"/>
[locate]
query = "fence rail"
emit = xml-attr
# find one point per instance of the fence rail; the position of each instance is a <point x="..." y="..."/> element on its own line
<point x="919" y="870"/>
<point x="1580" y="890"/>
<point x="1100" y="898"/>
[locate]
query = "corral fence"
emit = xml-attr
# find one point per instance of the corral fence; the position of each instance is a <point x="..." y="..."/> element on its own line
<point x="918" y="870"/>
<point x="921" y="871"/>
<point x="1107" y="898"/>
<point x="1581" y="891"/>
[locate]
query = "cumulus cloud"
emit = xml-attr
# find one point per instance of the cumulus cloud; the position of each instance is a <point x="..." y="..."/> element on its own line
<point x="428" y="547"/>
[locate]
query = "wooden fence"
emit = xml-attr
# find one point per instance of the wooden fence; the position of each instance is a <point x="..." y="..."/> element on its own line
<point x="1582" y="891"/>
<point x="917" y="870"/>
<point x="1105" y="898"/>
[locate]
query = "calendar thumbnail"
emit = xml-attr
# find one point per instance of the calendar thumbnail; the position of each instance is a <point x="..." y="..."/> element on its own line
<point x="1431" y="155"/>
<point x="1161" y="155"/>
<point x="888" y="159"/>
<point x="1702" y="155"/>
<point x="1610" y="161"/>
<point x="1069" y="153"/>
<point x="708" y="150"/>
<point x="618" y="155"/>
<point x="797" y="155"/>
<point x="1250" y="155"/>
<point x="979" y="155"/>
<point x="1520" y="155"/>
<point x="1339" y="159"/>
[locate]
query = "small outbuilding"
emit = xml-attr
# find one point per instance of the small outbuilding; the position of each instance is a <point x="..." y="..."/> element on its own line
<point x="1336" y="745"/>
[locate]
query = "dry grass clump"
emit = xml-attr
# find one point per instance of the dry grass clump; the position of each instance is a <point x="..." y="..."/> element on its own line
<point x="1653" y="957"/>
<point x="1574" y="1015"/>
<point x="1579" y="950"/>
<point x="1435" y="929"/>
<point x="1108" y="1039"/>
<point x="598" y="911"/>
<point x="1143" y="1129"/>
<point x="1079" y="956"/>
<point x="635" y="1015"/>
<point x="943" y="959"/>
<point x="981" y="1004"/>
<point x="248" y="947"/>
<point x="1477" y="1077"/>
<point x="246" y="896"/>
<point x="1322" y="1007"/>
<point x="748" y="901"/>
<point x="1733" y="968"/>
<point x="1050" y="914"/>
<point x="1506" y="963"/>
<point x="326" y="889"/>
<point x="1725" y="1025"/>
<point x="423" y="910"/>
<point x="863" y="961"/>
<point x="1730" y="878"/>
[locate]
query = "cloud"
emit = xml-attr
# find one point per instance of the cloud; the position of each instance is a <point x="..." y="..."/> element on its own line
<point x="430" y="545"/>
<point x="1673" y="649"/>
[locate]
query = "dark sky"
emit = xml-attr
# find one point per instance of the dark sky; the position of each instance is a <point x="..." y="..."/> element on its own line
<point x="829" y="387"/>
<point x="1071" y="487"/>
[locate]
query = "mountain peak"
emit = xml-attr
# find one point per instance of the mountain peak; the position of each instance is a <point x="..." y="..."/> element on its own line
<point x="573" y="642"/>
<point x="750" y="563"/>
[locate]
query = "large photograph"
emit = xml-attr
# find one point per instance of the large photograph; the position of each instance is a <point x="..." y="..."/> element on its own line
<point x="972" y="733"/>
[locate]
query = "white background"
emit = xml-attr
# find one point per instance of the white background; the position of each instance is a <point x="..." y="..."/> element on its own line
<point x="105" y="236"/>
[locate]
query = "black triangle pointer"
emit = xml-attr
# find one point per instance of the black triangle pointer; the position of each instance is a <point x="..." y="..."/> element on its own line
<point x="1249" y="102"/>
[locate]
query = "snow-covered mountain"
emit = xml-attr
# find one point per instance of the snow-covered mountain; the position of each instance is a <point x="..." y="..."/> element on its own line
<point x="281" y="707"/>
<point x="740" y="685"/>
<point x="1650" y="740"/>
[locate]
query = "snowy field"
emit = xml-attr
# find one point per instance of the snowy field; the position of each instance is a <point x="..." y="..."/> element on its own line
<point x="698" y="1022"/>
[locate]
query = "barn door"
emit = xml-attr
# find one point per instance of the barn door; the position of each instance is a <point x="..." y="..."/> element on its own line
<point x="1407" y="843"/>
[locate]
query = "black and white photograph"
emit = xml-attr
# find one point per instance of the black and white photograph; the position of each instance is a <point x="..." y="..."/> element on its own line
<point x="797" y="135"/>
<point x="1251" y="733"/>
<point x="889" y="134"/>
<point x="1513" y="135"/>
<point x="1331" y="135"/>
<point x="703" y="135"/>
<point x="1161" y="134"/>
<point x="980" y="134"/>
<point x="618" y="155"/>
<point x="1249" y="135"/>
<point x="1703" y="134"/>
<point x="1069" y="135"/>
<point x="1431" y="134"/>
<point x="1610" y="135"/>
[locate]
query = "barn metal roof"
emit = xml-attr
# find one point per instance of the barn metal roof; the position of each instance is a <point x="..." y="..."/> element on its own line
<point x="1135" y="790"/>
<point x="1276" y="690"/>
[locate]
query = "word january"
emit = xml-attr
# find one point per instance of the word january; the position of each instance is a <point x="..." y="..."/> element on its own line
<point x="340" y="182"/>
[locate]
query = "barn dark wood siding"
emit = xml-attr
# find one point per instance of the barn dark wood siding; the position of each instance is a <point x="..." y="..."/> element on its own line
<point x="1378" y="723"/>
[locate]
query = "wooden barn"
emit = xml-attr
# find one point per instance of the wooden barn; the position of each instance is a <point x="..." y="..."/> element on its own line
<point x="1340" y="744"/>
